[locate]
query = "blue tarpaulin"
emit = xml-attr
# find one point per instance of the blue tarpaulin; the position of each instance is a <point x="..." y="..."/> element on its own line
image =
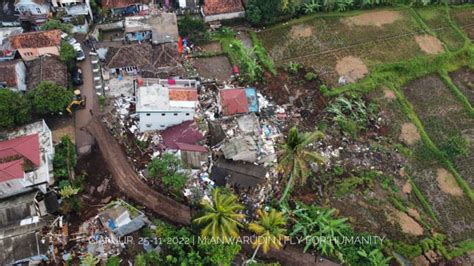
<point x="251" y="94"/>
<point x="112" y="224"/>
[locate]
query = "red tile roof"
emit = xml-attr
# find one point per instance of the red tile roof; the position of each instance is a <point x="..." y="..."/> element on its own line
<point x="11" y="170"/>
<point x="190" y="147"/>
<point x="26" y="147"/>
<point x="121" y="3"/>
<point x="186" y="132"/>
<point x="183" y="94"/>
<point x="36" y="39"/>
<point x="212" y="7"/>
<point x="8" y="73"/>
<point x="234" y="101"/>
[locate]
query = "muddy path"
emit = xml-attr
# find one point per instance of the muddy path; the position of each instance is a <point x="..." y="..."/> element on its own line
<point x="130" y="183"/>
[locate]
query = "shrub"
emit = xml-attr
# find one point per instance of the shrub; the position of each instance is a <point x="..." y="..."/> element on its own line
<point x="293" y="67"/>
<point x="65" y="158"/>
<point x="67" y="54"/>
<point x="54" y="24"/>
<point x="310" y="76"/>
<point x="455" y="146"/>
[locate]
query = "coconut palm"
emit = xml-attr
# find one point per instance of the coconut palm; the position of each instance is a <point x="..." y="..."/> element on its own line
<point x="295" y="158"/>
<point x="220" y="218"/>
<point x="270" y="230"/>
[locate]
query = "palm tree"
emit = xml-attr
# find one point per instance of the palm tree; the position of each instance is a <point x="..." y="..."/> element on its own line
<point x="270" y="230"/>
<point x="295" y="157"/>
<point x="221" y="219"/>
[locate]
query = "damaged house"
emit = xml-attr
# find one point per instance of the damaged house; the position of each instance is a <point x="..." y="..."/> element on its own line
<point x="163" y="105"/>
<point x="33" y="11"/>
<point x="22" y="220"/>
<point x="31" y="45"/>
<point x="7" y="52"/>
<point x="47" y="67"/>
<point x="159" y="28"/>
<point x="26" y="159"/>
<point x="216" y="10"/>
<point x="238" y="101"/>
<point x="240" y="174"/>
<point x="144" y="59"/>
<point x="13" y="75"/>
<point x="186" y="139"/>
<point x="123" y="7"/>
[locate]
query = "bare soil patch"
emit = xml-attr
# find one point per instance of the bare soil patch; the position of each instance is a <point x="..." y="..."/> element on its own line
<point x="407" y="188"/>
<point x="377" y="18"/>
<point x="61" y="126"/>
<point x="409" y="134"/>
<point x="212" y="47"/>
<point x="408" y="224"/>
<point x="447" y="183"/>
<point x="389" y="94"/>
<point x="216" y="67"/>
<point x="301" y="31"/>
<point x="429" y="44"/>
<point x="414" y="213"/>
<point x="352" y="68"/>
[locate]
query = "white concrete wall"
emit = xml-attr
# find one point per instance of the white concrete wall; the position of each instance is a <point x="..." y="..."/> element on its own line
<point x="225" y="16"/>
<point x="163" y="120"/>
<point x="12" y="186"/>
<point x="20" y="69"/>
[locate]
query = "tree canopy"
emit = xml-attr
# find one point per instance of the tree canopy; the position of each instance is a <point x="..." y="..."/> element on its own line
<point x="54" y="24"/>
<point x="67" y="54"/>
<point x="49" y="98"/>
<point x="15" y="109"/>
<point x="169" y="169"/>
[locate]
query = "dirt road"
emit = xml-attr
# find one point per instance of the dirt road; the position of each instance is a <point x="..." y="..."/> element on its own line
<point x="130" y="183"/>
<point x="82" y="117"/>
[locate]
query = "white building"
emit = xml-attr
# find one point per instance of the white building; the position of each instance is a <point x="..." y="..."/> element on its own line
<point x="166" y="103"/>
<point x="26" y="159"/>
<point x="35" y="12"/>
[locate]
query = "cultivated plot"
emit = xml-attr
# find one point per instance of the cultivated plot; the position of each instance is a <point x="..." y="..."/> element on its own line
<point x="321" y="42"/>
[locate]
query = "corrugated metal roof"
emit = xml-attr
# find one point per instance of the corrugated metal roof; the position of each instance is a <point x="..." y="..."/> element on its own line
<point x="234" y="101"/>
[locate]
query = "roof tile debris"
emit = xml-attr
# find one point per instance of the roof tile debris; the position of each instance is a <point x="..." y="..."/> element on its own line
<point x="177" y="94"/>
<point x="48" y="67"/>
<point x="8" y="73"/>
<point x="234" y="101"/>
<point x="212" y="7"/>
<point x="186" y="132"/>
<point x="36" y="39"/>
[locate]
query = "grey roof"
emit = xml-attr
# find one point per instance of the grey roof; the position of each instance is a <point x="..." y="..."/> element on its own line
<point x="7" y="11"/>
<point x="16" y="208"/>
<point x="241" y="174"/>
<point x="240" y="148"/>
<point x="21" y="243"/>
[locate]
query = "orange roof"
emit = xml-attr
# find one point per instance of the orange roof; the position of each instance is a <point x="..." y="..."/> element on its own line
<point x="212" y="7"/>
<point x="183" y="94"/>
<point x="36" y="39"/>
